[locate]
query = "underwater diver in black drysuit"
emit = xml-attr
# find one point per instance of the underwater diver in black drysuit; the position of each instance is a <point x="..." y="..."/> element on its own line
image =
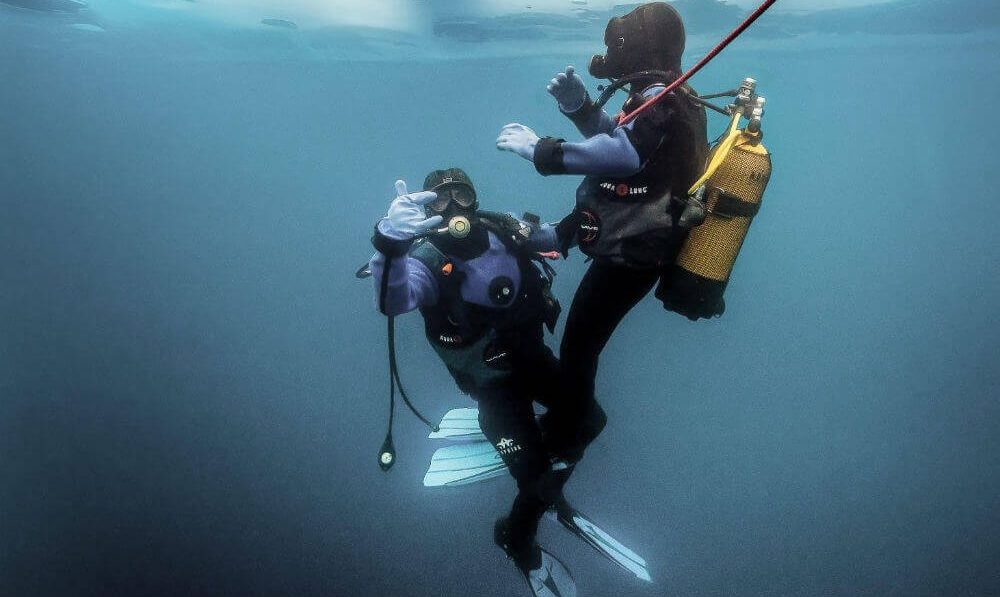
<point x="627" y="207"/>
<point x="484" y="303"/>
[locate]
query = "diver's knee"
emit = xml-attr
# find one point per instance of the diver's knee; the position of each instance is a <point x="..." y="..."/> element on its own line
<point x="547" y="487"/>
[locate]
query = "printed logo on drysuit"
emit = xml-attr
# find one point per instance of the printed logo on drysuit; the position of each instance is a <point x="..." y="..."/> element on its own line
<point x="623" y="190"/>
<point x="590" y="227"/>
<point x="507" y="446"/>
<point x="450" y="339"/>
<point x="496" y="356"/>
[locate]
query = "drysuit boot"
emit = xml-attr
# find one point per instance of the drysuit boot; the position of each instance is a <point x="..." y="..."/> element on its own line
<point x="515" y="533"/>
<point x="518" y="544"/>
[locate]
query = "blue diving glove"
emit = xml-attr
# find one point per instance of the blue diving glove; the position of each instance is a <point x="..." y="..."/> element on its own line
<point x="406" y="217"/>
<point x="518" y="139"/>
<point x="569" y="90"/>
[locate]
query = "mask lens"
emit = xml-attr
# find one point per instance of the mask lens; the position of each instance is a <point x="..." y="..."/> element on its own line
<point x="460" y="194"/>
<point x="463" y="196"/>
<point x="441" y="203"/>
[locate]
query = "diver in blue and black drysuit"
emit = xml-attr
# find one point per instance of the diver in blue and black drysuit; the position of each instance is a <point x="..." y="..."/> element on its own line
<point x="629" y="206"/>
<point x="484" y="302"/>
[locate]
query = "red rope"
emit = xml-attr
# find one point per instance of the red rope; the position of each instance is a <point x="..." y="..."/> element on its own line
<point x="625" y="119"/>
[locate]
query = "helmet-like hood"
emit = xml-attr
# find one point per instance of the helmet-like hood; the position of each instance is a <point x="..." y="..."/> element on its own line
<point x="442" y="181"/>
<point x="651" y="37"/>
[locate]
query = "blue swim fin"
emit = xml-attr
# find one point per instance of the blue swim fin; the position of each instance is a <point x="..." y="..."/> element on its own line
<point x="551" y="579"/>
<point x="459" y="424"/>
<point x="596" y="537"/>
<point x="462" y="464"/>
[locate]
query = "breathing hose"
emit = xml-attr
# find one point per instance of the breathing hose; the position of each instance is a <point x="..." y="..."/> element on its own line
<point x="701" y="63"/>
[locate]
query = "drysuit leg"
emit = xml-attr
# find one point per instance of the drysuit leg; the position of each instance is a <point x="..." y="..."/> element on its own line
<point x="507" y="418"/>
<point x="606" y="293"/>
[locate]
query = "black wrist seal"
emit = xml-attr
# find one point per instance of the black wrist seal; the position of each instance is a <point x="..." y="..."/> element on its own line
<point x="390" y="247"/>
<point x="548" y="157"/>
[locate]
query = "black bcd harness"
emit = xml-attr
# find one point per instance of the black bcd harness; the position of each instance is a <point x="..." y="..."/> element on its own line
<point x="454" y="322"/>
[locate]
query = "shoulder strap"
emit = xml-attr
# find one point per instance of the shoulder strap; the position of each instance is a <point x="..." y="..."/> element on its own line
<point x="512" y="231"/>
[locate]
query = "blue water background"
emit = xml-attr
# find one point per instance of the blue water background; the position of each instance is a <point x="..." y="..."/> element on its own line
<point x="193" y="384"/>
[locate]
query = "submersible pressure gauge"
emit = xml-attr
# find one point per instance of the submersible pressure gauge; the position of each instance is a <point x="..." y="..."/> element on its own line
<point x="387" y="455"/>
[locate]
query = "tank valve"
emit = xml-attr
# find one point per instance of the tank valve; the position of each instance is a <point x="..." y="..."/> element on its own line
<point x="756" y="115"/>
<point x="745" y="94"/>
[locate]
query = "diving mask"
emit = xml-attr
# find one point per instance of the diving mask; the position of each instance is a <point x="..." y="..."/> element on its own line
<point x="459" y="194"/>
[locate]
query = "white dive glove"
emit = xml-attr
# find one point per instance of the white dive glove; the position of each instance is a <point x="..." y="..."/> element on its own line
<point x="519" y="139"/>
<point x="406" y="217"/>
<point x="569" y="90"/>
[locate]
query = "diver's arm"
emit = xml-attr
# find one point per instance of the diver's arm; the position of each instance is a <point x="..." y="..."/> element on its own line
<point x="410" y="285"/>
<point x="543" y="239"/>
<point x="613" y="154"/>
<point x="556" y="237"/>
<point x="574" y="101"/>
<point x="602" y="154"/>
<point x="590" y="120"/>
<point x="621" y="152"/>
<point x="540" y="238"/>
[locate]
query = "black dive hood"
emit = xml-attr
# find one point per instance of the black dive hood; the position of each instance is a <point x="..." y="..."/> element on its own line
<point x="651" y="37"/>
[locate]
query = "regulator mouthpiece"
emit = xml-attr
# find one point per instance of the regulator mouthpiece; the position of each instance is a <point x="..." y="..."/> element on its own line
<point x="598" y="67"/>
<point x="459" y="227"/>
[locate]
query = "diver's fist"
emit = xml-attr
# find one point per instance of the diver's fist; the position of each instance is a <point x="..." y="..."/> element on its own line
<point x="406" y="217"/>
<point x="568" y="89"/>
<point x="518" y="139"/>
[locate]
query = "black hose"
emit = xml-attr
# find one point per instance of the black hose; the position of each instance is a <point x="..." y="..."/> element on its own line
<point x="394" y="372"/>
<point x="730" y="93"/>
<point x="617" y="84"/>
<point x="387" y="453"/>
<point x="701" y="101"/>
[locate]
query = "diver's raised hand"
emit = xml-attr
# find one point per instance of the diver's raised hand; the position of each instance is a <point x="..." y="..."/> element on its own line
<point x="406" y="217"/>
<point x="568" y="89"/>
<point x="519" y="139"/>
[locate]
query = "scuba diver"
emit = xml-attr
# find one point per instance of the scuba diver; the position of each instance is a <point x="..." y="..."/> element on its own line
<point x="631" y="208"/>
<point x="474" y="277"/>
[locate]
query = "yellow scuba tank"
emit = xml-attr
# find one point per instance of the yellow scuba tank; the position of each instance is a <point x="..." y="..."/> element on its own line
<point x="724" y="200"/>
